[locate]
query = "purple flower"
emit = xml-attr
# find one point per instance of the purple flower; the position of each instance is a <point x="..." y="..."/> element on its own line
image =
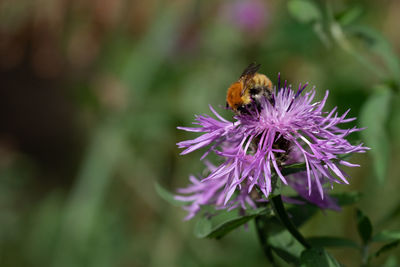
<point x="249" y="15"/>
<point x="254" y="148"/>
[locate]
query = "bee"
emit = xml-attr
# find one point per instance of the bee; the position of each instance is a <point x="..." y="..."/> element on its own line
<point x="248" y="91"/>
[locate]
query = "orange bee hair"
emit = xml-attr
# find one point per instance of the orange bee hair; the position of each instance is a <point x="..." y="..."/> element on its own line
<point x="237" y="94"/>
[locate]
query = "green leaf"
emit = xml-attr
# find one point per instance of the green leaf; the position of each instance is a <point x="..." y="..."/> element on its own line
<point x="391" y="262"/>
<point x="304" y="11"/>
<point x="378" y="45"/>
<point x="346" y="198"/>
<point x="168" y="196"/>
<point x="349" y="15"/>
<point x="285" y="255"/>
<point x="261" y="224"/>
<point x="276" y="185"/>
<point x="293" y="168"/>
<point x="226" y="227"/>
<point x="374" y="115"/>
<point x="364" y="226"/>
<point x="387" y="247"/>
<point x="330" y="241"/>
<point x="203" y="227"/>
<point x="387" y="235"/>
<point x="316" y="257"/>
<point x="301" y="213"/>
<point x="281" y="213"/>
<point x="286" y="247"/>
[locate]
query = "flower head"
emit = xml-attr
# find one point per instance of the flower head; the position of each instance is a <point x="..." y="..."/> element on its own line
<point x="290" y="128"/>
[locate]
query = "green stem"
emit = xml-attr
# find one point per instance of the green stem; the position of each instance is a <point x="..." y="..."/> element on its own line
<point x="263" y="239"/>
<point x="345" y="45"/>
<point x="340" y="39"/>
<point x="284" y="218"/>
<point x="364" y="256"/>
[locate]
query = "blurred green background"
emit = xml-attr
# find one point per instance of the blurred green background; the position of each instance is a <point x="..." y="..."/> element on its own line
<point x="91" y="93"/>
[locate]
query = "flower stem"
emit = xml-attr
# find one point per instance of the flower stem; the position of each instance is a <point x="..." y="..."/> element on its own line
<point x="259" y="223"/>
<point x="364" y="256"/>
<point x="284" y="218"/>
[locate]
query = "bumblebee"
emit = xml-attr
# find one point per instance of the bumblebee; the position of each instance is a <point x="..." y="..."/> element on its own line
<point x="248" y="91"/>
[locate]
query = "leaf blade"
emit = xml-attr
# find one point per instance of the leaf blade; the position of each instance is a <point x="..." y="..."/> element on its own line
<point x="332" y="242"/>
<point x="387" y="247"/>
<point x="387" y="235"/>
<point x="286" y="247"/>
<point x="364" y="226"/>
<point x="304" y="11"/>
<point x="202" y="227"/>
<point x="205" y="230"/>
<point x="346" y="198"/>
<point x="315" y="257"/>
<point x="226" y="227"/>
<point x="374" y="115"/>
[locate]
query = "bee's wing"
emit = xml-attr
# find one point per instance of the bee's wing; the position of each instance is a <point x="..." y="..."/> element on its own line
<point x="248" y="73"/>
<point x="250" y="70"/>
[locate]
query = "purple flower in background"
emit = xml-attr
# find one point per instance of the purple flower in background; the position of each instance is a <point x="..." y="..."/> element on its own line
<point x="254" y="148"/>
<point x="248" y="15"/>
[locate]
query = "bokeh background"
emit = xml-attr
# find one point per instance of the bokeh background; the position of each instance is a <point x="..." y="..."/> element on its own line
<point x="91" y="93"/>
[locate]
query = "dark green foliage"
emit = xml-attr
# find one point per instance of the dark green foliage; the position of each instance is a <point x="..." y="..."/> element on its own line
<point x="280" y="212"/>
<point x="286" y="247"/>
<point x="332" y="242"/>
<point x="387" y="248"/>
<point x="317" y="257"/>
<point x="364" y="226"/>
<point x="204" y="226"/>
<point x="387" y="235"/>
<point x="346" y="198"/>
<point x="349" y="15"/>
